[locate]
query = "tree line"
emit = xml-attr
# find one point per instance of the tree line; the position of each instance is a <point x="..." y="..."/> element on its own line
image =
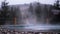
<point x="47" y="13"/>
<point x="7" y="13"/>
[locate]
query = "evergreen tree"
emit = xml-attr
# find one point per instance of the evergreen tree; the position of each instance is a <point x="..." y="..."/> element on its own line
<point x="15" y="15"/>
<point x="56" y="17"/>
<point x="4" y="12"/>
<point x="31" y="8"/>
<point x="45" y="13"/>
<point x="38" y="11"/>
<point x="56" y="5"/>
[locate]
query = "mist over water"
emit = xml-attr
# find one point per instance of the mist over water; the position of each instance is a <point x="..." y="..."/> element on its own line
<point x="28" y="18"/>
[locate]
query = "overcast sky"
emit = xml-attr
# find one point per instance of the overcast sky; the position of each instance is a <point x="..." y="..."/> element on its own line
<point x="13" y="2"/>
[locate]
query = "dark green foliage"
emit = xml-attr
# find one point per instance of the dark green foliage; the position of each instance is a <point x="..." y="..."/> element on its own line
<point x="56" y="5"/>
<point x="38" y="10"/>
<point x="4" y="11"/>
<point x="56" y="17"/>
<point x="45" y="13"/>
<point x="7" y="13"/>
<point x="31" y="8"/>
<point x="15" y="13"/>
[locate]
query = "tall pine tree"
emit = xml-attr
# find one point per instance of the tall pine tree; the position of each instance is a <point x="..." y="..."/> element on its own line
<point x="31" y="8"/>
<point x="38" y="11"/>
<point x="4" y="12"/>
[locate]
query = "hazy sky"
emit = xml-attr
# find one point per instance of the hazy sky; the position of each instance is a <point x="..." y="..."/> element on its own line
<point x="11" y="2"/>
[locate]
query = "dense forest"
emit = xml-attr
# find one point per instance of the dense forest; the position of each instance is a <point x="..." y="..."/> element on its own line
<point x="43" y="13"/>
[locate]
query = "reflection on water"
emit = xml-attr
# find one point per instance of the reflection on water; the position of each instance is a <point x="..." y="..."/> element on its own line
<point x="32" y="27"/>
